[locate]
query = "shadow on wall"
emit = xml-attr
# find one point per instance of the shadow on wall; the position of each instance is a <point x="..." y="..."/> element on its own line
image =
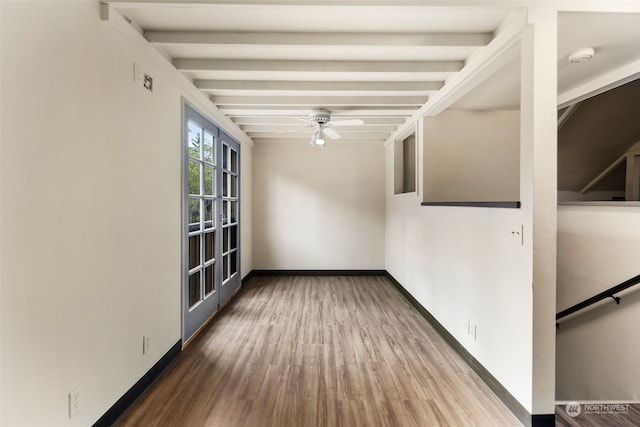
<point x="594" y="135"/>
<point x="598" y="350"/>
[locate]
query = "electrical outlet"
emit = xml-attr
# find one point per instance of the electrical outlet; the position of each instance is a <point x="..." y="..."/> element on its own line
<point x="74" y="402"/>
<point x="146" y="343"/>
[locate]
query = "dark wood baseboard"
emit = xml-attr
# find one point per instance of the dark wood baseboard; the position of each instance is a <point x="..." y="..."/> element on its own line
<point x="498" y="389"/>
<point x="318" y="273"/>
<point x="118" y="408"/>
<point x="246" y="278"/>
<point x="543" y="420"/>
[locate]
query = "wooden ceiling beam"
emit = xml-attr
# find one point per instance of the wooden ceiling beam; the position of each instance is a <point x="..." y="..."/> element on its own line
<point x="292" y="121"/>
<point x="300" y="125"/>
<point x="202" y="64"/>
<point x="313" y="101"/>
<point x="252" y="110"/>
<point x="290" y="87"/>
<point x="303" y="134"/>
<point x="213" y="38"/>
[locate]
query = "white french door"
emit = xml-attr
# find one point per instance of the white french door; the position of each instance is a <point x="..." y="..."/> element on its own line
<point x="210" y="220"/>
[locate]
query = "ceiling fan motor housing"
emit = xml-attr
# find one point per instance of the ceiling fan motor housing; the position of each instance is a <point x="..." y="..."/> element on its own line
<point x="320" y="116"/>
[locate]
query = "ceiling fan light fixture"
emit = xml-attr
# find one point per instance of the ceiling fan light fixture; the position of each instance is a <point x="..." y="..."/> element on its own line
<point x="581" y="54"/>
<point x="318" y="139"/>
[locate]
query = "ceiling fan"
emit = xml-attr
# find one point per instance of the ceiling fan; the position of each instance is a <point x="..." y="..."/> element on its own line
<point x="320" y="119"/>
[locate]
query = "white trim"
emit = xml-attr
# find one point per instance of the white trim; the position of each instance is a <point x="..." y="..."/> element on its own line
<point x="407" y="195"/>
<point x="568" y="113"/>
<point x="569" y="5"/>
<point x="604" y="173"/>
<point x="600" y="84"/>
<point x="407" y="132"/>
<point x="620" y="204"/>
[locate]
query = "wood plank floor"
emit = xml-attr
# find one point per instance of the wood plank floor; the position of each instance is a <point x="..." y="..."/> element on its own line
<point x="318" y="351"/>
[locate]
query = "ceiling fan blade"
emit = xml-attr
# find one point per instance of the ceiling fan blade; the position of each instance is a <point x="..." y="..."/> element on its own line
<point x="296" y="130"/>
<point x="331" y="133"/>
<point x="352" y="122"/>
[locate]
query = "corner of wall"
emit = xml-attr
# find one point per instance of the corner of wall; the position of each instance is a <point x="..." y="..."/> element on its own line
<point x="246" y="159"/>
<point x="1" y="224"/>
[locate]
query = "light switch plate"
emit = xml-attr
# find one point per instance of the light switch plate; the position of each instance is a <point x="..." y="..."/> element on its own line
<point x="516" y="232"/>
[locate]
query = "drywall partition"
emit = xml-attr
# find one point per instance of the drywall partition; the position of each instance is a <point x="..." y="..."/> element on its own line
<point x="462" y="263"/>
<point x="598" y="248"/>
<point x="538" y="193"/>
<point x="462" y="266"/>
<point x="91" y="217"/>
<point x="1" y="238"/>
<point x="472" y="156"/>
<point x="318" y="208"/>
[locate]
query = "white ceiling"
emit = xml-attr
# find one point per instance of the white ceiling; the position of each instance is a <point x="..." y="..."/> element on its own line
<point x="614" y="36"/>
<point x="266" y="66"/>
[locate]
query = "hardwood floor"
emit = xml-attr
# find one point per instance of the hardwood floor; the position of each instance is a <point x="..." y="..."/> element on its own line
<point x="318" y="351"/>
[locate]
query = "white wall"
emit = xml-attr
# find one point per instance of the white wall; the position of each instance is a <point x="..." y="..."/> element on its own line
<point x="1" y="237"/>
<point x="90" y="212"/>
<point x="460" y="264"/>
<point x="598" y="349"/>
<point x="318" y="208"/>
<point x="472" y="156"/>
